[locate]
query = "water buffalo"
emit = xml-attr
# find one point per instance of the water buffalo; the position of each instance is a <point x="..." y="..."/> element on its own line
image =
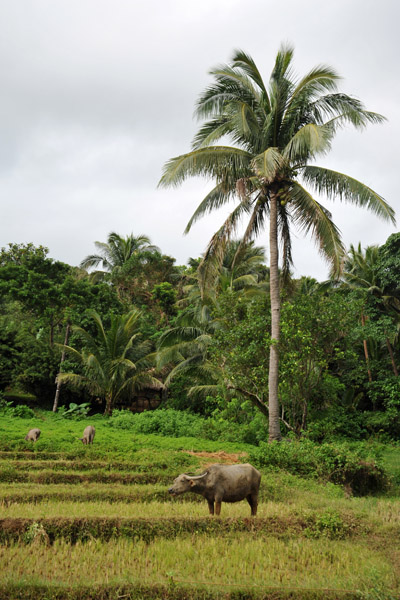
<point x="222" y="483"/>
<point x="33" y="435"/>
<point x="88" y="435"/>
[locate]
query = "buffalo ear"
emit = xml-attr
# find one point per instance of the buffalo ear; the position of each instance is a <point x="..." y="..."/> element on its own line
<point x="192" y="483"/>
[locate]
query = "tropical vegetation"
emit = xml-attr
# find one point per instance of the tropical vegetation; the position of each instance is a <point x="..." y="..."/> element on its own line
<point x="205" y="337"/>
<point x="277" y="129"/>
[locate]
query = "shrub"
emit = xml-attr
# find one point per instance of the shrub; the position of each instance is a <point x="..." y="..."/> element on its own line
<point x="356" y="467"/>
<point x="21" y="410"/>
<point x="385" y="425"/>
<point x="330" y="525"/>
<point x="174" y="423"/>
<point x="75" y="411"/>
<point x="337" y="423"/>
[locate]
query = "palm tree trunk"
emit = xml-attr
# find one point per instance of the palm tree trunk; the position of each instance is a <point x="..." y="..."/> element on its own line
<point x="58" y="388"/>
<point x="304" y="416"/>
<point x="366" y="349"/>
<point x="109" y="408"/>
<point x="273" y="403"/>
<point x="390" y="350"/>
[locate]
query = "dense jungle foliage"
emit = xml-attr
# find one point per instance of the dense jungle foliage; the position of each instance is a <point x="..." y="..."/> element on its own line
<point x="142" y="330"/>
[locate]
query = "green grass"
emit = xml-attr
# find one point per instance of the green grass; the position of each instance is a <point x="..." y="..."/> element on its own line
<point x="97" y="523"/>
<point x="201" y="559"/>
<point x="61" y="435"/>
<point x="391" y="462"/>
<point x="283" y="488"/>
<point x="11" y="474"/>
<point x="171" y="509"/>
<point x="27" y="493"/>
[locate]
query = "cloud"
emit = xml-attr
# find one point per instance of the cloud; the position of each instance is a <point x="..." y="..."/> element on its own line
<point x="98" y="94"/>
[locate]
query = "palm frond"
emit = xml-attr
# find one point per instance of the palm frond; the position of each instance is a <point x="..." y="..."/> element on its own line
<point x="307" y="142"/>
<point x="243" y="123"/>
<point x="202" y="391"/>
<point x="311" y="217"/>
<point x="73" y="378"/>
<point x="125" y="362"/>
<point x="79" y="382"/>
<point x="169" y="355"/>
<point x="212" y="131"/>
<point x="92" y="261"/>
<point x="282" y="63"/>
<point x="231" y="84"/>
<point x="136" y="383"/>
<point x="213" y="257"/>
<point x="70" y="350"/>
<point x="130" y="321"/>
<point x="189" y="365"/>
<point x="99" y="324"/>
<point x="211" y="161"/>
<point x="337" y="185"/>
<point x="319" y="80"/>
<point x="214" y="200"/>
<point x="178" y="335"/>
<point x="96" y="368"/>
<point x="244" y="281"/>
<point x="268" y="164"/>
<point x="257" y="219"/>
<point x="344" y="109"/>
<point x="245" y="62"/>
<point x="286" y="242"/>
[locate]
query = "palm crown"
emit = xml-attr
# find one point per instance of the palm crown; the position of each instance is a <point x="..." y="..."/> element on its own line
<point x="117" y="251"/>
<point x="277" y="130"/>
<point x="114" y="362"/>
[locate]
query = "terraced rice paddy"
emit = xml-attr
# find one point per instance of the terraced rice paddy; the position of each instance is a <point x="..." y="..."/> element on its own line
<point x="96" y="527"/>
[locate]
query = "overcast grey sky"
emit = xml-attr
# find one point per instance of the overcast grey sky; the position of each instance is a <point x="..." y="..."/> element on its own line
<point x="97" y="94"/>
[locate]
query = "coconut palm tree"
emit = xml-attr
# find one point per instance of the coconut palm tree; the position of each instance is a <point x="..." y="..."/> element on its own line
<point x="186" y="345"/>
<point x="117" y="251"/>
<point x="361" y="272"/>
<point x="114" y="363"/>
<point x="242" y="269"/>
<point x="277" y="130"/>
<point x="243" y="266"/>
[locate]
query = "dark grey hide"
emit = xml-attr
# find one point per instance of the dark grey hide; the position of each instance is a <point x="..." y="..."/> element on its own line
<point x="222" y="483"/>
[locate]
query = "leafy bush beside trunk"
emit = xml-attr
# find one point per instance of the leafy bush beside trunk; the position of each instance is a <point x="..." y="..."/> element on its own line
<point x="358" y="467"/>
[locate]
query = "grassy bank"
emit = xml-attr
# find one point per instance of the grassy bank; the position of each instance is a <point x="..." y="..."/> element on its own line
<point x="243" y="561"/>
<point x="80" y="523"/>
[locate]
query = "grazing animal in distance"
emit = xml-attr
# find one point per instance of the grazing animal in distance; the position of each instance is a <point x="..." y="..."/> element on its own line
<point x="222" y="483"/>
<point x="33" y="435"/>
<point x="88" y="435"/>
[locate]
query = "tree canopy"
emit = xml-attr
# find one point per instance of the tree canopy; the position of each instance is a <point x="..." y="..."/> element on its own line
<point x="277" y="129"/>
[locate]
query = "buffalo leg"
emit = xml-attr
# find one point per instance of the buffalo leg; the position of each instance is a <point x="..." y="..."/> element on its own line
<point x="217" y="507"/>
<point x="211" y="506"/>
<point x="252" y="500"/>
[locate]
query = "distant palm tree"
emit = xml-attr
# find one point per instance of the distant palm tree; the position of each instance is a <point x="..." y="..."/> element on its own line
<point x="117" y="251"/>
<point x="361" y="272"/>
<point x="243" y="266"/>
<point x="277" y="130"/>
<point x="114" y="363"/>
<point x="186" y="344"/>
<point x="242" y="269"/>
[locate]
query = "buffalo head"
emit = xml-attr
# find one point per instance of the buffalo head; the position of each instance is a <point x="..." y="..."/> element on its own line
<point x="183" y="483"/>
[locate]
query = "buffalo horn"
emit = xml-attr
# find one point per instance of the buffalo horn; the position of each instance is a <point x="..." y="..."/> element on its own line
<point x="197" y="476"/>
